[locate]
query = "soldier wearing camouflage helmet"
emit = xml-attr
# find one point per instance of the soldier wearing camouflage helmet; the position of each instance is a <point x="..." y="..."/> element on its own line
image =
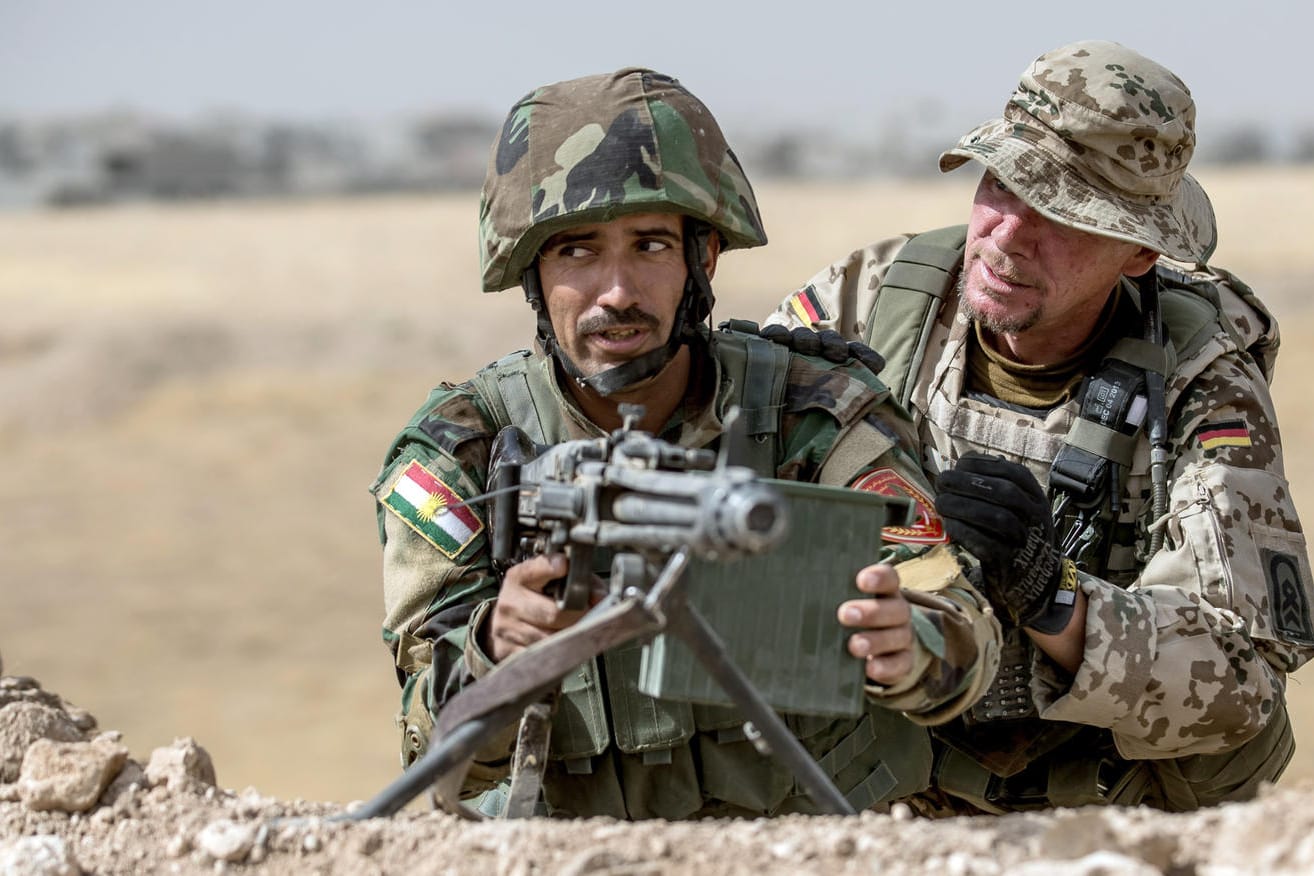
<point x="1095" y="398"/>
<point x="609" y="199"/>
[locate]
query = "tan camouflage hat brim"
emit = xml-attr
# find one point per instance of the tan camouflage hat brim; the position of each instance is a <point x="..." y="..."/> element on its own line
<point x="1039" y="168"/>
<point x="1097" y="136"/>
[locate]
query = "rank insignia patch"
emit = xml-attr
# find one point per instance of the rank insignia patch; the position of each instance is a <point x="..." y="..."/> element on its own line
<point x="424" y="504"/>
<point x="926" y="528"/>
<point x="1287" y="594"/>
<point x="1230" y="433"/>
<point x="807" y="306"/>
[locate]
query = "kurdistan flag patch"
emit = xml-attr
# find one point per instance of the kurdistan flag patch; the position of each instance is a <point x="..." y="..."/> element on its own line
<point x="423" y="502"/>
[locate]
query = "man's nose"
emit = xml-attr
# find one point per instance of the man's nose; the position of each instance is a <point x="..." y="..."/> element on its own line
<point x="1017" y="227"/>
<point x="619" y="286"/>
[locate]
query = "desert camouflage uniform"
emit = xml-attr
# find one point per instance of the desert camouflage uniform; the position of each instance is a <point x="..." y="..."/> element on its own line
<point x="1185" y="654"/>
<point x="1186" y="651"/>
<point x="587" y="151"/>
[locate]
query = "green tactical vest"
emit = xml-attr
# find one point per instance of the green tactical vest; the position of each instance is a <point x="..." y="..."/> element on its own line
<point x="618" y="752"/>
<point x="1004" y="765"/>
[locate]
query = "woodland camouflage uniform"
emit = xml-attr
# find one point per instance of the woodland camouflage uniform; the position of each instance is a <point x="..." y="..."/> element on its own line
<point x="1179" y="698"/>
<point x="587" y="151"/>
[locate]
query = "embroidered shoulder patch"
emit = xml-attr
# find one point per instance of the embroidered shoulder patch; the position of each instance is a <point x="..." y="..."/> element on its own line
<point x="927" y="527"/>
<point x="1287" y="596"/>
<point x="1229" y="433"/>
<point x="423" y="502"/>
<point x="807" y="306"/>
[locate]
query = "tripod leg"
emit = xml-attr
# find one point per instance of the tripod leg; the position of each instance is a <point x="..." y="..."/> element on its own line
<point x="529" y="760"/>
<point x="684" y="622"/>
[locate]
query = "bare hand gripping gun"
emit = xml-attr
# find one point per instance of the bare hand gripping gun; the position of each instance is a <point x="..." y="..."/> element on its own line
<point x="679" y="522"/>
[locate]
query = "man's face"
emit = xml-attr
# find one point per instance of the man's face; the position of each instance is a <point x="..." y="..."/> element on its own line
<point x="1025" y="273"/>
<point x="612" y="288"/>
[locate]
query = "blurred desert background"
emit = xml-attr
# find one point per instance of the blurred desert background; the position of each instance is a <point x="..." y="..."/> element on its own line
<point x="195" y="397"/>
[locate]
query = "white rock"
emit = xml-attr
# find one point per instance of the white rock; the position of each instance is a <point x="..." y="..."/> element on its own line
<point x="1102" y="863"/>
<point x="37" y="856"/>
<point x="226" y="840"/>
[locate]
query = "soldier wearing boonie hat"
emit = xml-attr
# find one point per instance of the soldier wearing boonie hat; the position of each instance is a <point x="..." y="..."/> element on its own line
<point x="609" y="200"/>
<point x="1106" y="445"/>
<point x="1098" y="138"/>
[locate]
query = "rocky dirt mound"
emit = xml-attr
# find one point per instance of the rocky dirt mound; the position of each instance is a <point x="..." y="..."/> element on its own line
<point x="72" y="801"/>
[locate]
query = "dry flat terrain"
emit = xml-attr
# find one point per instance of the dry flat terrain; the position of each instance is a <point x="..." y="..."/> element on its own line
<point x="194" y="399"/>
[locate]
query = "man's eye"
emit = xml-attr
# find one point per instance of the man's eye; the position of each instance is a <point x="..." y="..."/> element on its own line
<point x="653" y="245"/>
<point x="572" y="251"/>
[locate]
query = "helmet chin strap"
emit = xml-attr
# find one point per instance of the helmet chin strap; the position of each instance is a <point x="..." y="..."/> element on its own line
<point x="695" y="306"/>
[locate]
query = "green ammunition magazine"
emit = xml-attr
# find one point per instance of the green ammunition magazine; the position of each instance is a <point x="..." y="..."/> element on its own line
<point x="776" y="612"/>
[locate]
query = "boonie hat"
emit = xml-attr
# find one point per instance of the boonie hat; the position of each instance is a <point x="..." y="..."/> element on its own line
<point x="1097" y="137"/>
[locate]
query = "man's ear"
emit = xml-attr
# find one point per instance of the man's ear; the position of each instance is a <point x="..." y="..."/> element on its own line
<point x="1140" y="262"/>
<point x="713" y="253"/>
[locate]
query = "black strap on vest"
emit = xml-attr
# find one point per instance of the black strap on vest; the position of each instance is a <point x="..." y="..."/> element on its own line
<point x="1155" y="392"/>
<point x="1123" y="397"/>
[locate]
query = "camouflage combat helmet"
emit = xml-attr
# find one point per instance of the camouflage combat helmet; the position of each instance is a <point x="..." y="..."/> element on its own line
<point x="1097" y="137"/>
<point x="592" y="149"/>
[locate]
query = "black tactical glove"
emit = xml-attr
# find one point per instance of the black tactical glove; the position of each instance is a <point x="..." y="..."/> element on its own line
<point x="996" y="510"/>
<point x="829" y="344"/>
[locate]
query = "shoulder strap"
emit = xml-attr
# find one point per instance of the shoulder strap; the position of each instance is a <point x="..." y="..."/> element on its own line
<point x="908" y="300"/>
<point x="757" y="369"/>
<point x="1194" y="308"/>
<point x="510" y="387"/>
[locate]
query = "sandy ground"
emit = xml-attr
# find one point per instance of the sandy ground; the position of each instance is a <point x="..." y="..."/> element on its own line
<point x="83" y="805"/>
<point x="194" y="399"/>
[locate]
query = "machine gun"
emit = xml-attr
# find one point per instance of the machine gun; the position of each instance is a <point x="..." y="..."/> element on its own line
<point x="628" y="492"/>
<point x="686" y="531"/>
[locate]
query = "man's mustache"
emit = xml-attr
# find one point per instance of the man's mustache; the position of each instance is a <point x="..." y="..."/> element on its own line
<point x="613" y="319"/>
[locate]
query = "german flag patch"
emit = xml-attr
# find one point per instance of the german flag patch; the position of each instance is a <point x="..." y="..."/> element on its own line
<point x="424" y="503"/>
<point x="1229" y="433"/>
<point x="807" y="306"/>
<point x="926" y="528"/>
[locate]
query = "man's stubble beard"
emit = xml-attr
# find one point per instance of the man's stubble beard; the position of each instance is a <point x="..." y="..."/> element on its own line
<point x="995" y="325"/>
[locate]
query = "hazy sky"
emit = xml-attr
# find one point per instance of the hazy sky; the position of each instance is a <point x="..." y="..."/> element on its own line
<point x="862" y="66"/>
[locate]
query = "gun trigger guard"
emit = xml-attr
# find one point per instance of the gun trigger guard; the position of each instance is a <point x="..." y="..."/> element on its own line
<point x="578" y="583"/>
